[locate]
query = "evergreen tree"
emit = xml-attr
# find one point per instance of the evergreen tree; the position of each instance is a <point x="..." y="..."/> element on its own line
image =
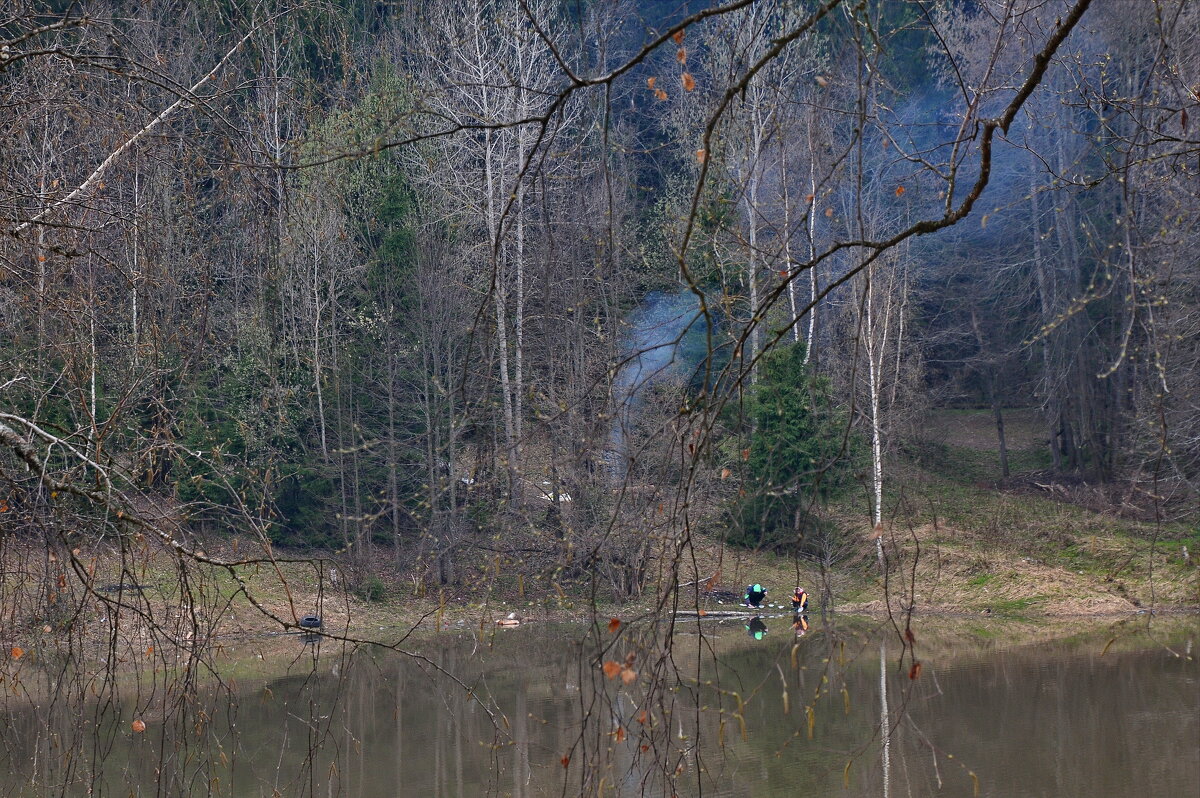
<point x="799" y="453"/>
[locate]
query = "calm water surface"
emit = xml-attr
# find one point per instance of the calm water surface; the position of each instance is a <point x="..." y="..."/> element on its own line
<point x="1109" y="713"/>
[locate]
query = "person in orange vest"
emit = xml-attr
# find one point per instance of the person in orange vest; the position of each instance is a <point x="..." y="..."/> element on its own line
<point x="799" y="601"/>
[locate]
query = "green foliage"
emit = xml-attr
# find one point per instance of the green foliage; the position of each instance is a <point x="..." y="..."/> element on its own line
<point x="799" y="454"/>
<point x="372" y="589"/>
<point x="249" y="434"/>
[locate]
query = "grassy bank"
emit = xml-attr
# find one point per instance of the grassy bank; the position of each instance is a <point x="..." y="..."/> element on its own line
<point x="958" y="538"/>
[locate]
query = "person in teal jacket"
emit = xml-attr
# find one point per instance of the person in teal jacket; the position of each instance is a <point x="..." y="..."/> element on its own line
<point x="755" y="593"/>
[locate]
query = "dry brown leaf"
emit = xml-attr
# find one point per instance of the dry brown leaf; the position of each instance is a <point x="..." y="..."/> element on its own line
<point x="689" y="83"/>
<point x="611" y="669"/>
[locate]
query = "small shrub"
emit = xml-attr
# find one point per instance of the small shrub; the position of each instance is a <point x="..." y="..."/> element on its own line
<point x="372" y="589"/>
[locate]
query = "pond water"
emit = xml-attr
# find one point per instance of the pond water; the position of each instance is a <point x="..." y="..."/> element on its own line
<point x="1108" y="712"/>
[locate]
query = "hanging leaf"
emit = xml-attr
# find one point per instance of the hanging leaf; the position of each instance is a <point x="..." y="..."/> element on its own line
<point x="701" y="155"/>
<point x="914" y="672"/>
<point x="822" y="81"/>
<point x="17" y="652"/>
<point x="566" y="760"/>
<point x="628" y="675"/>
<point x="681" y="55"/>
<point x="745" y="454"/>
<point x="677" y="36"/>
<point x="908" y="635"/>
<point x="614" y="624"/>
<point x="725" y="473"/>
<point x="689" y="83"/>
<point x="611" y="669"/>
<point x="139" y="726"/>
<point x="660" y="94"/>
<point x="899" y="191"/>
<point x="641" y="717"/>
<point x="829" y="212"/>
<point x="650" y="81"/>
<point x="619" y="734"/>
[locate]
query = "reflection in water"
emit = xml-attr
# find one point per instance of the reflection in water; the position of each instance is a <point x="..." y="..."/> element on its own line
<point x="885" y="723"/>
<point x="757" y="629"/>
<point x="1060" y="719"/>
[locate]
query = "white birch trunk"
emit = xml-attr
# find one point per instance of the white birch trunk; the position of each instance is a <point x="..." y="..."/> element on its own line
<point x="751" y="201"/>
<point x="874" y="361"/>
<point x="813" y="290"/>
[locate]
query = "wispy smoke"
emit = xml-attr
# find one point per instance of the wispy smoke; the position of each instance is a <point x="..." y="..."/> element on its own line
<point x="664" y="340"/>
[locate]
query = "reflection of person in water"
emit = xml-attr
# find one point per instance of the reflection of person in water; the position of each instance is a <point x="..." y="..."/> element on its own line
<point x="756" y="628"/>
<point x="754" y="595"/>
<point x="800" y="624"/>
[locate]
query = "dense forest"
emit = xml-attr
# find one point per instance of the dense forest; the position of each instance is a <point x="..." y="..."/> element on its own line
<point x="440" y="286"/>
